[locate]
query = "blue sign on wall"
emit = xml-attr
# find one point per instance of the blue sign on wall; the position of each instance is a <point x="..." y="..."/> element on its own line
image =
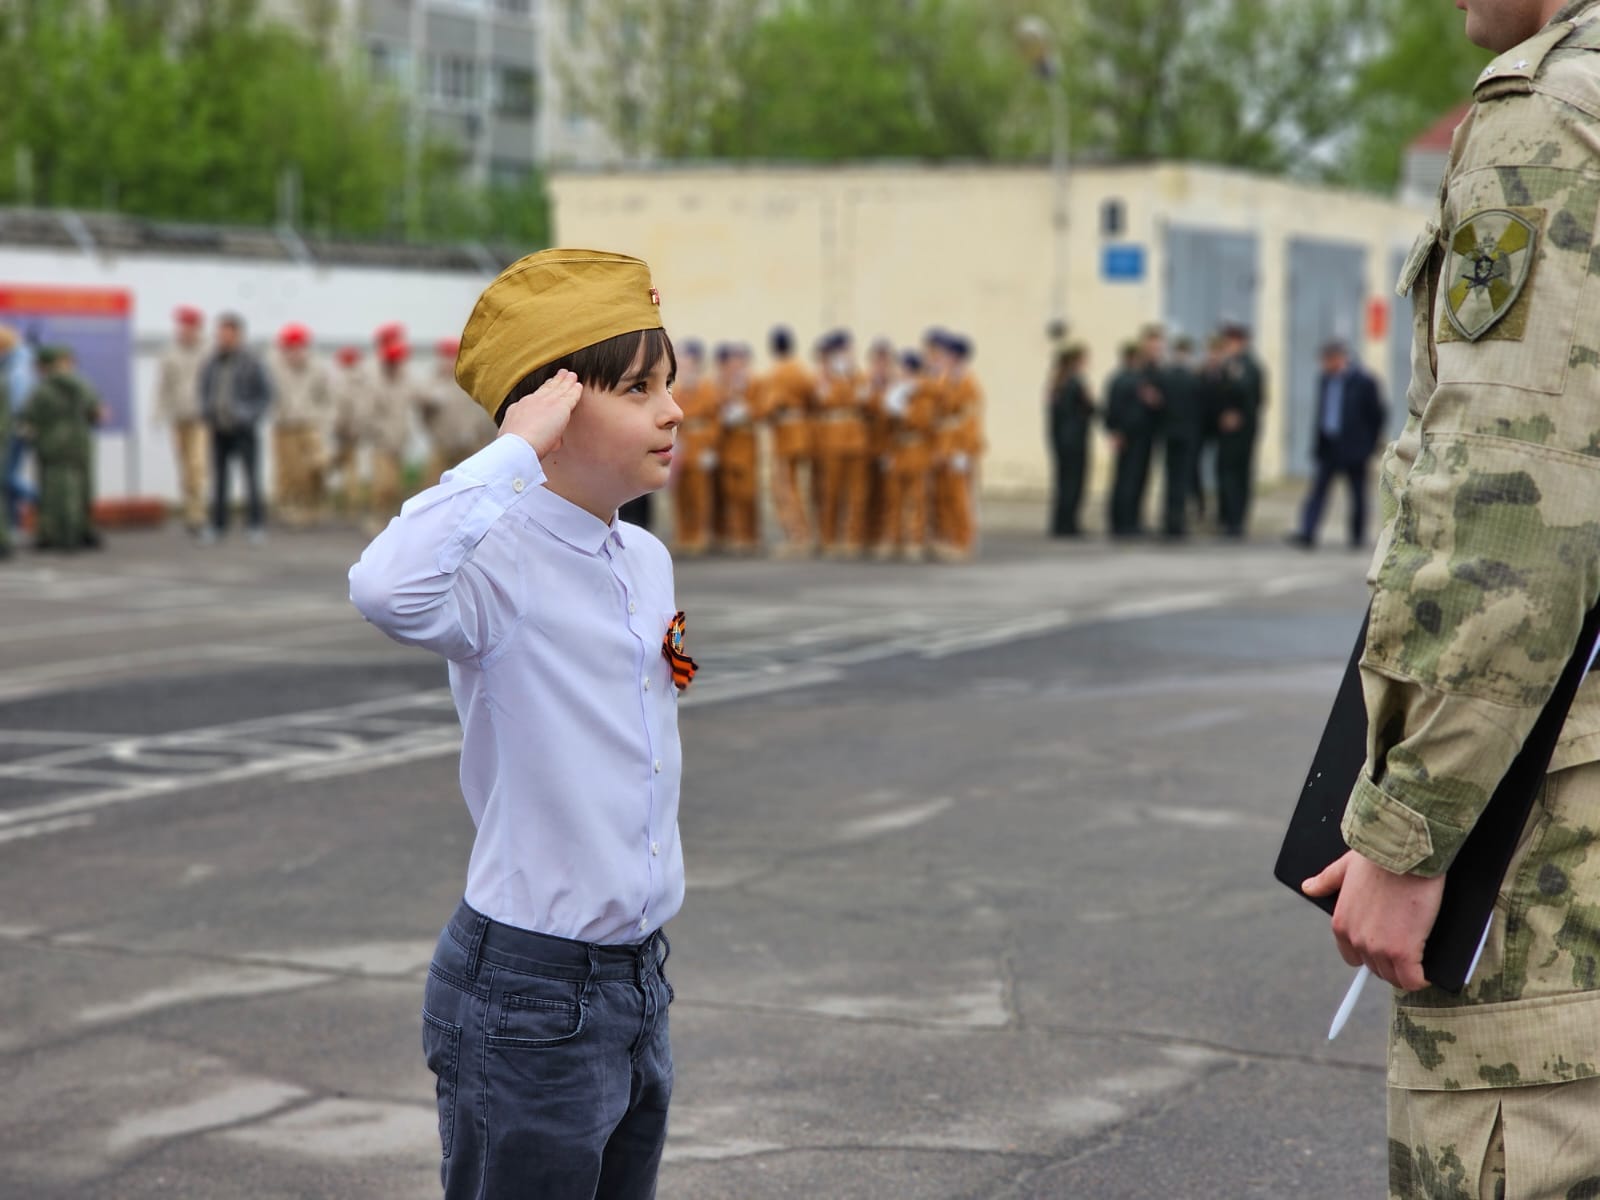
<point x="1123" y="264"/>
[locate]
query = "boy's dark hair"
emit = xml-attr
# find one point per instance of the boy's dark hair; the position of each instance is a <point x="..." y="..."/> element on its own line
<point x="781" y="342"/>
<point x="601" y="365"/>
<point x="232" y="320"/>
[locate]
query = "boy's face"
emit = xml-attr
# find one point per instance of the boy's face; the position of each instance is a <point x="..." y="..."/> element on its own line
<point x="618" y="444"/>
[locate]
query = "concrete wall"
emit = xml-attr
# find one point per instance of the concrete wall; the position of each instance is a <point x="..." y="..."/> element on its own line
<point x="342" y="305"/>
<point x="891" y="250"/>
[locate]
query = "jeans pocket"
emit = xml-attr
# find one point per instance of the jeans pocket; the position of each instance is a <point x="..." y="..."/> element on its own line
<point x="441" y="1047"/>
<point x="539" y="1014"/>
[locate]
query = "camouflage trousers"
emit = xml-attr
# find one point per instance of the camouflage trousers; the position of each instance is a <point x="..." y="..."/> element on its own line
<point x="63" y="517"/>
<point x="1526" y="1143"/>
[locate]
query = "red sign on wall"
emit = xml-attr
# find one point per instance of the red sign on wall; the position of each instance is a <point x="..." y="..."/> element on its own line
<point x="97" y="323"/>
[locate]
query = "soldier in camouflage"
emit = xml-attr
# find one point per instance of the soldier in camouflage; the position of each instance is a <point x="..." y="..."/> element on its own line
<point x="1489" y="558"/>
<point x="59" y="419"/>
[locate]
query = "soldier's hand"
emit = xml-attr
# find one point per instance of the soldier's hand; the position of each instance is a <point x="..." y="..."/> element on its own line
<point x="541" y="418"/>
<point x="1382" y="920"/>
<point x="1231" y="421"/>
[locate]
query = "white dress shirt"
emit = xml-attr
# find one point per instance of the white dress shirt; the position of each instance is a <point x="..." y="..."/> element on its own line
<point x="554" y="624"/>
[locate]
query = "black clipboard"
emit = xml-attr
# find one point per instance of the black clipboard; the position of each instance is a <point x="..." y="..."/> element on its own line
<point x="1313" y="840"/>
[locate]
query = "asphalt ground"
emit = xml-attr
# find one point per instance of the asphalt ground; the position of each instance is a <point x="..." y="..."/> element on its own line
<point x="980" y="900"/>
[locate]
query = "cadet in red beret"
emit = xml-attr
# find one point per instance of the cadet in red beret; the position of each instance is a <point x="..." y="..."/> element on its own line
<point x="177" y="403"/>
<point x="567" y="655"/>
<point x="302" y="411"/>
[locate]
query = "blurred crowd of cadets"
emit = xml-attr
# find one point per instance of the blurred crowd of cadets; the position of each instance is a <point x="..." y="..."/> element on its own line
<point x="840" y="454"/>
<point x="343" y="433"/>
<point x="1167" y="409"/>
<point x="865" y="456"/>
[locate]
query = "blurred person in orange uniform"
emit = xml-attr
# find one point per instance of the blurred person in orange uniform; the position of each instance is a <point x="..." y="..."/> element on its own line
<point x="883" y="373"/>
<point x="177" y="403"/>
<point x="911" y="409"/>
<point x="842" y="443"/>
<point x="302" y="390"/>
<point x="738" y="499"/>
<point x="695" y="452"/>
<point x="787" y="396"/>
<point x="958" y="443"/>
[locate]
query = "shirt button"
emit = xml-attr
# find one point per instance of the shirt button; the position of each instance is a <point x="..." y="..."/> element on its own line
<point x="644" y="923"/>
<point x="517" y="485"/>
<point x="632" y="607"/>
<point x="658" y="766"/>
<point x="655" y="848"/>
<point x="647" y="685"/>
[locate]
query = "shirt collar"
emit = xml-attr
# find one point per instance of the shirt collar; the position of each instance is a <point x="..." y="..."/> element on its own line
<point x="575" y="526"/>
<point x="1572" y="10"/>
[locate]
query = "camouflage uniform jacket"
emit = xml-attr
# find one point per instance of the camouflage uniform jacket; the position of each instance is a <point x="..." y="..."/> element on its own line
<point x="1489" y="558"/>
<point x="60" y="419"/>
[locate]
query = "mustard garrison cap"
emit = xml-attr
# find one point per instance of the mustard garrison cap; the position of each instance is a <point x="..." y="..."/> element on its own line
<point x="546" y="306"/>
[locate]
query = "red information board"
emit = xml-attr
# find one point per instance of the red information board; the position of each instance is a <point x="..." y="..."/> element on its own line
<point x="96" y="322"/>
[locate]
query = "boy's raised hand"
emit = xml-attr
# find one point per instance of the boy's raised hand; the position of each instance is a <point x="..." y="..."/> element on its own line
<point x="541" y="418"/>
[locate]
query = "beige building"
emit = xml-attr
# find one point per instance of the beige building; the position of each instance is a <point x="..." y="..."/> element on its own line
<point x="891" y="250"/>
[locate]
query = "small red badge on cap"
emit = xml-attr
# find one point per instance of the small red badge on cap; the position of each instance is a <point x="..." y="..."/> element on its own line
<point x="655" y="296"/>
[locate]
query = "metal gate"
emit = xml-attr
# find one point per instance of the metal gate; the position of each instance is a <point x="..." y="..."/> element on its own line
<point x="1212" y="277"/>
<point x="1327" y="290"/>
<point x="1399" y="348"/>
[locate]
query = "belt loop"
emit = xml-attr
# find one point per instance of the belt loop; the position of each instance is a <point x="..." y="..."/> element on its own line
<point x="594" y="966"/>
<point x="475" y="946"/>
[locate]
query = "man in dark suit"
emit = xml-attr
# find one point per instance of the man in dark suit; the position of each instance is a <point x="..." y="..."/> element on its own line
<point x="1350" y="422"/>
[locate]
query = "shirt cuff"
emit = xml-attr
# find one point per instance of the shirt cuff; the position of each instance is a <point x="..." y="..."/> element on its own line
<point x="1394" y="835"/>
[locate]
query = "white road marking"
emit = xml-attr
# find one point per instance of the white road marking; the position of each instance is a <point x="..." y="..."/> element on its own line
<point x="198" y="989"/>
<point x="896" y="821"/>
<point x="243" y="1101"/>
<point x="348" y="1129"/>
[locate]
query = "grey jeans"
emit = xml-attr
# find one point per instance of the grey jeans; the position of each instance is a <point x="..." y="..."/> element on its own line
<point x="552" y="1060"/>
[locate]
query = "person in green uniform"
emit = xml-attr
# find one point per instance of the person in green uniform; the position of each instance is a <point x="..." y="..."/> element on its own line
<point x="1488" y="560"/>
<point x="8" y="343"/>
<point x="1071" y="407"/>
<point x="1242" y="395"/>
<point x="1180" y="385"/>
<point x="59" y="419"/>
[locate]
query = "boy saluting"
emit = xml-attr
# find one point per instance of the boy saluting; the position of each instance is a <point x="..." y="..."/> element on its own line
<point x="545" y="1011"/>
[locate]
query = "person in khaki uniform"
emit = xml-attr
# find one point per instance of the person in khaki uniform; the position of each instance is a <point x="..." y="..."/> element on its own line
<point x="842" y="445"/>
<point x="457" y="428"/>
<point x="177" y="403"/>
<point x="695" y="457"/>
<point x="910" y="409"/>
<point x="304" y="401"/>
<point x="738" y="499"/>
<point x="787" y="395"/>
<point x="386" y="428"/>
<point x="347" y="399"/>
<point x="1486" y="565"/>
<point x="958" y="442"/>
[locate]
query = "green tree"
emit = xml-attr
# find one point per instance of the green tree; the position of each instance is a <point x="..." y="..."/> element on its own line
<point x="1395" y="100"/>
<point x="196" y="110"/>
<point x="1315" y="88"/>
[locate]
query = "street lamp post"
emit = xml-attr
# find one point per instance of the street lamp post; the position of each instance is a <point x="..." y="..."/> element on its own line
<point x="1038" y="45"/>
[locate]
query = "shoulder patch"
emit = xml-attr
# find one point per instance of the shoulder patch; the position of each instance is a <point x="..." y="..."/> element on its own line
<point x="1491" y="256"/>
